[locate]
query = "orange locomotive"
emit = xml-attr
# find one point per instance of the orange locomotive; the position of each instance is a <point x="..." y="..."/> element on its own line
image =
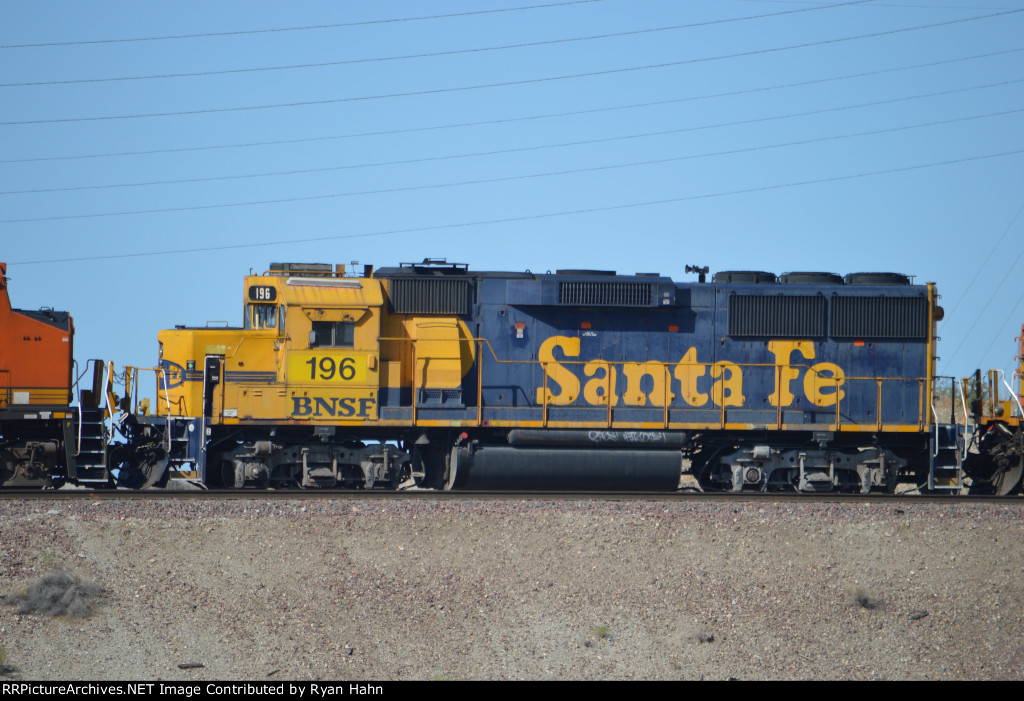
<point x="43" y="438"/>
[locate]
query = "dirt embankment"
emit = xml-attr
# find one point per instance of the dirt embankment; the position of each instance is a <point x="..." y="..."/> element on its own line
<point x="516" y="590"/>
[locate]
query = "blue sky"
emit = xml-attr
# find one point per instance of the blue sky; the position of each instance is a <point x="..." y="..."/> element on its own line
<point x="634" y="135"/>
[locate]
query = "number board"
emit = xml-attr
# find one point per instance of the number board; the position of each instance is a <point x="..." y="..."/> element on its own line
<point x="327" y="367"/>
<point x="262" y="293"/>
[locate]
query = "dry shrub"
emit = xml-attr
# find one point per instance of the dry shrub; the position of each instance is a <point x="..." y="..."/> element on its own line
<point x="59" y="594"/>
<point x="860" y="595"/>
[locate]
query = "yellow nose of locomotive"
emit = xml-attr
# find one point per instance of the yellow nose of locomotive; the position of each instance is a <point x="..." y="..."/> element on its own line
<point x="308" y="351"/>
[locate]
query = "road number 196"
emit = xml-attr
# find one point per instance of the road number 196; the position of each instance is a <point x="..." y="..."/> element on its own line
<point x="344" y="369"/>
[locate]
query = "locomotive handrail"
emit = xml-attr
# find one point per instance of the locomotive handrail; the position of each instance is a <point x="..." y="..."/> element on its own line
<point x="167" y="397"/>
<point x="162" y="376"/>
<point x="132" y="375"/>
<point x="963" y="402"/>
<point x="963" y="398"/>
<point x="1002" y="376"/>
<point x="78" y="378"/>
<point x="78" y="395"/>
<point x="108" y="395"/>
<point x="824" y="378"/>
<point x="544" y="410"/>
<point x="78" y="445"/>
<point x="479" y="384"/>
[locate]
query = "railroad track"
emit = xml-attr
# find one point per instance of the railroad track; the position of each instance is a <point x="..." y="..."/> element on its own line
<point x="403" y="495"/>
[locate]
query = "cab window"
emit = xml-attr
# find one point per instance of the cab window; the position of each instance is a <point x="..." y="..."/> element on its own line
<point x="262" y="316"/>
<point x="332" y="334"/>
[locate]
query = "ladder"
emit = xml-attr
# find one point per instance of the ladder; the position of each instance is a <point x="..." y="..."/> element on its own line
<point x="945" y="459"/>
<point x="89" y="462"/>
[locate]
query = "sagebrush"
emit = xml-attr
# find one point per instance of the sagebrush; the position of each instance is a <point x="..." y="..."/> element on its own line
<point x="59" y="594"/>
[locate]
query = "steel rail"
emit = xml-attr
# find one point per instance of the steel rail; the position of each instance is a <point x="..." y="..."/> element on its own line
<point x="683" y="496"/>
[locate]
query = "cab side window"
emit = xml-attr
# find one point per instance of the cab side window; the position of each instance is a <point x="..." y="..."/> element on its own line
<point x="262" y="316"/>
<point x="332" y="334"/>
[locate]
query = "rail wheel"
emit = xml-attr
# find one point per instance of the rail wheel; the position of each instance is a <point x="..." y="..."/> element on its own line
<point x="32" y="464"/>
<point x="701" y="468"/>
<point x="1008" y="482"/>
<point x="139" y="467"/>
<point x="999" y="465"/>
<point x="429" y="464"/>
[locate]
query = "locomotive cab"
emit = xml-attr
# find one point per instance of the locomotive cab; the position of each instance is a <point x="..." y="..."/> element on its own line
<point x="304" y="370"/>
<point x="307" y="352"/>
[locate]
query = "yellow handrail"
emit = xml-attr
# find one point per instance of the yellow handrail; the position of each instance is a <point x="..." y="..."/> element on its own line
<point x="610" y="365"/>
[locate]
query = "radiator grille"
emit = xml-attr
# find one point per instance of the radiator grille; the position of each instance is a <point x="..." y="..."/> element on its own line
<point x="430" y="296"/>
<point x="880" y="317"/>
<point x="606" y="294"/>
<point x="777" y="316"/>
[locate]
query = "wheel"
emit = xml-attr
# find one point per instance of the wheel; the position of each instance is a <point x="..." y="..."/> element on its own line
<point x="1008" y="481"/>
<point x="999" y="465"/>
<point x="139" y="467"/>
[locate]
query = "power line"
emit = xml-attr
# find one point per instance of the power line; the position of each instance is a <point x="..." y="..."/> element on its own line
<point x="1013" y="310"/>
<point x="438" y="91"/>
<point x="532" y="217"/>
<point x="298" y="29"/>
<point x="512" y="119"/>
<point x="978" y="315"/>
<point x="585" y="142"/>
<point x="434" y="54"/>
<point x="485" y="181"/>
<point x="982" y="267"/>
<point x="890" y="4"/>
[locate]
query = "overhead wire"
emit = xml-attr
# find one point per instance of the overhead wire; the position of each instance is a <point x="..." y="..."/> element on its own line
<point x="509" y="219"/>
<point x="438" y="91"/>
<point x="506" y="120"/>
<point x="992" y="297"/>
<point x="339" y="25"/>
<point x="584" y="142"/>
<point x="999" y="329"/>
<point x="599" y="209"/>
<point x="979" y="269"/>
<point x="455" y="52"/>
<point x="892" y="4"/>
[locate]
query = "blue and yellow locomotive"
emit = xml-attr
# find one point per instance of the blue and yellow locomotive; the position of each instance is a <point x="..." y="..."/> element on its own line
<point x="573" y="380"/>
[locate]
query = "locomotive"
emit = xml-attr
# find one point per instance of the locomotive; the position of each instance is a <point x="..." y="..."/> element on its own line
<point x="44" y="438"/>
<point x="578" y="379"/>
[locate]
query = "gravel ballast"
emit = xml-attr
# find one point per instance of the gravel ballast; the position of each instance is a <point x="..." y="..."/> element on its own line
<point x="516" y="589"/>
